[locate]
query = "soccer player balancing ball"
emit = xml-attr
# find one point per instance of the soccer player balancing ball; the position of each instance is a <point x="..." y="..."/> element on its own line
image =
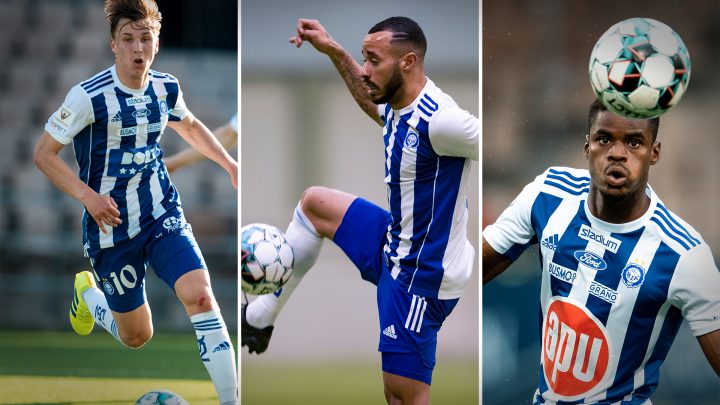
<point x="639" y="68"/>
<point x="267" y="259"/>
<point x="161" y="398"/>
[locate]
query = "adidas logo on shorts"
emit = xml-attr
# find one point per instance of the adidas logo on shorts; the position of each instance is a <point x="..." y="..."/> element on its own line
<point x="390" y="332"/>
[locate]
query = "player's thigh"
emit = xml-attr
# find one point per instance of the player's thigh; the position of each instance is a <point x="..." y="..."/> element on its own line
<point x="405" y="391"/>
<point x="362" y="236"/>
<point x="173" y="251"/>
<point x="325" y="208"/>
<point x="120" y="271"/>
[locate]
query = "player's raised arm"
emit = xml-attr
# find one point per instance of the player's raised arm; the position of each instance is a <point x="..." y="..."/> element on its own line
<point x="352" y="73"/>
<point x="200" y="138"/>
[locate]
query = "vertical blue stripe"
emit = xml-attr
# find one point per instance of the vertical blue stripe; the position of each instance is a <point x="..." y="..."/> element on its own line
<point x="610" y="277"/>
<point x="81" y="147"/>
<point x="172" y="96"/>
<point x="119" y="192"/>
<point x="438" y="234"/>
<point x="652" y="295"/>
<point x="543" y="208"/>
<point x="425" y="195"/>
<point x="394" y="197"/>
<point x="92" y="162"/>
<point x="671" y="325"/>
<point x="154" y="117"/>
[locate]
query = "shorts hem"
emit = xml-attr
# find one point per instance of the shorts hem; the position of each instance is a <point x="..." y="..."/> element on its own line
<point x="407" y="374"/>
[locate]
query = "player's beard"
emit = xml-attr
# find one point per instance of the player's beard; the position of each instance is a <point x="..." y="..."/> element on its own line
<point x="391" y="88"/>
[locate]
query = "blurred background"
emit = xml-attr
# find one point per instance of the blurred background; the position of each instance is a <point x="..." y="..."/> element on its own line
<point x="300" y="127"/>
<point x="48" y="46"/>
<point x="536" y="93"/>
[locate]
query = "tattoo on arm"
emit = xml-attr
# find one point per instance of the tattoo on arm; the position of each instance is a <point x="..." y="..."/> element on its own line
<point x="350" y="71"/>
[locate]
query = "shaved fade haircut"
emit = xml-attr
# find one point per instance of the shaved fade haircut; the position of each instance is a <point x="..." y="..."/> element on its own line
<point x="405" y="32"/>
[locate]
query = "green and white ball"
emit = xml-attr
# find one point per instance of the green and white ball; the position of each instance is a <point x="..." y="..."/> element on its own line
<point x="639" y="68"/>
<point x="161" y="397"/>
<point x="267" y="260"/>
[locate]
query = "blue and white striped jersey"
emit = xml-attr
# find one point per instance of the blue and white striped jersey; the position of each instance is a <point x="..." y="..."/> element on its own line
<point x="613" y="296"/>
<point x="428" y="150"/>
<point x="115" y="132"/>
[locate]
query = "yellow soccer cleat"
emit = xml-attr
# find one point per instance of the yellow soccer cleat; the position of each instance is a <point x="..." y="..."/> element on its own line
<point x="80" y="318"/>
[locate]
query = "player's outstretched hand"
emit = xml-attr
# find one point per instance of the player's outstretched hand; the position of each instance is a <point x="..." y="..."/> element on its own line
<point x="312" y="31"/>
<point x="104" y="210"/>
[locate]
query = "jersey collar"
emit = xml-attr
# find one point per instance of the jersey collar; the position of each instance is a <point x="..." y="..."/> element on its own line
<point x="628" y="226"/>
<point x="124" y="88"/>
<point x="410" y="108"/>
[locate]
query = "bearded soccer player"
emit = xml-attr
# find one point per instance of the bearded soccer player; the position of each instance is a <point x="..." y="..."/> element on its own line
<point x="417" y="252"/>
<point x="132" y="214"/>
<point x="620" y="271"/>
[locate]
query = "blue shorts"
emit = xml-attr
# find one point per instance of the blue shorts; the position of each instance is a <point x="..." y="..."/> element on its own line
<point x="168" y="246"/>
<point x="409" y="323"/>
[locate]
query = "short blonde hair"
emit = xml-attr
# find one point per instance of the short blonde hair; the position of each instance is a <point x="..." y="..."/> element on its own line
<point x="133" y="10"/>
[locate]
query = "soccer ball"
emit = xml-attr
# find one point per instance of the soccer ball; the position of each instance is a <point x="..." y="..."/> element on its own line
<point x="639" y="68"/>
<point x="267" y="259"/>
<point x="161" y="397"/>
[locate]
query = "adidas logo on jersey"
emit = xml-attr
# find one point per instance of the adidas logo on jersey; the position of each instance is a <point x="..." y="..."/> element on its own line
<point x="116" y="118"/>
<point x="222" y="346"/>
<point x="550" y="242"/>
<point x="390" y="332"/>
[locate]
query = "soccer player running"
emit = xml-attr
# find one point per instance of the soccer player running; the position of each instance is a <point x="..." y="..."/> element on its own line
<point x="417" y="253"/>
<point x="132" y="211"/>
<point x="620" y="271"/>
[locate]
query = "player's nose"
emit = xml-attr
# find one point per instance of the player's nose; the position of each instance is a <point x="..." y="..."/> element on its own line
<point x="617" y="151"/>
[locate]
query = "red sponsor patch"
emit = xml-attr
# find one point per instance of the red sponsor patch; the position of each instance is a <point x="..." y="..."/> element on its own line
<point x="575" y="349"/>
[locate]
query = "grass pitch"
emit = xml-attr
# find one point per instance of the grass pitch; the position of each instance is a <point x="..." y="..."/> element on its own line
<point x="63" y="368"/>
<point x="454" y="382"/>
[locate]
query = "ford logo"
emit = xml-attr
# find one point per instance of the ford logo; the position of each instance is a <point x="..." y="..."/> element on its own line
<point x="590" y="259"/>
<point x="141" y="113"/>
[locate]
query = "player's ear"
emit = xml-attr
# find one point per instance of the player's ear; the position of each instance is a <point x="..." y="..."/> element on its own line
<point x="113" y="46"/>
<point x="587" y="146"/>
<point x="655" y="154"/>
<point x="408" y="60"/>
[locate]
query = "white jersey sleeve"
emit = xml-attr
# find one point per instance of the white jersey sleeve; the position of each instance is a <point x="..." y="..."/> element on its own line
<point x="695" y="289"/>
<point x="455" y="132"/>
<point x="514" y="226"/>
<point x="75" y="113"/>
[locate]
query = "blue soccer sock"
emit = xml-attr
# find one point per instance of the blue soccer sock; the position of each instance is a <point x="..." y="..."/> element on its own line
<point x="217" y="354"/>
<point x="306" y="243"/>
<point x="98" y="306"/>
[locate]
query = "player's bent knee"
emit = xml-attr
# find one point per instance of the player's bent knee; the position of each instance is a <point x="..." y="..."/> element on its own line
<point x="314" y="198"/>
<point x="200" y="301"/>
<point x="136" y="339"/>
